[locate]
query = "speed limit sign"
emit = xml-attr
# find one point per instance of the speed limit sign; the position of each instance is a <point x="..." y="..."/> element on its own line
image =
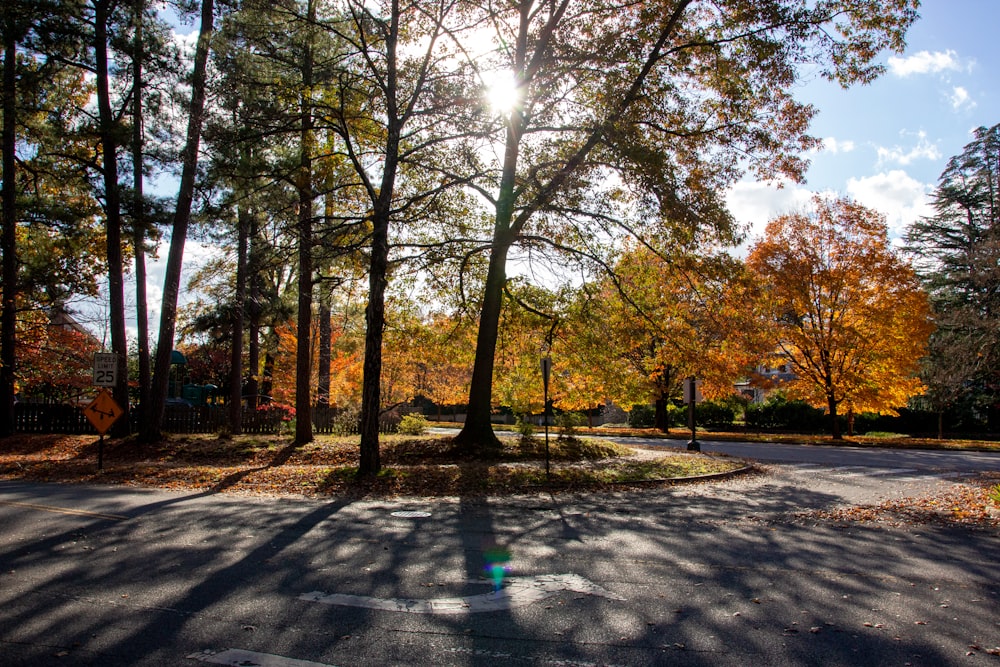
<point x="105" y="369"/>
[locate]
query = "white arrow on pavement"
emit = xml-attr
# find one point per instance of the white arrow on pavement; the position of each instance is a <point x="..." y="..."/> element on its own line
<point x="517" y="592"/>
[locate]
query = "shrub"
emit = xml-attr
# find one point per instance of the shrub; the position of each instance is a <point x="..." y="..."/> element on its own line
<point x="715" y="414"/>
<point x="642" y="416"/>
<point x="347" y="422"/>
<point x="412" y="424"/>
<point x="777" y="412"/>
<point x="677" y="415"/>
<point x="524" y="427"/>
<point x="279" y="411"/>
<point x="569" y="422"/>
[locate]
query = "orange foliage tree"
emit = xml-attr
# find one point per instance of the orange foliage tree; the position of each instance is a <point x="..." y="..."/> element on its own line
<point x="849" y="314"/>
<point x="345" y="364"/>
<point x="55" y="362"/>
<point x="444" y="365"/>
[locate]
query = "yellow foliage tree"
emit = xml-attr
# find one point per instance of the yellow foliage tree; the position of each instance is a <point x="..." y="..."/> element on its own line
<point x="849" y="314"/>
<point x="661" y="320"/>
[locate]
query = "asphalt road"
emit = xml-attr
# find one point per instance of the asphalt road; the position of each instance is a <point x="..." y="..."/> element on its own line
<point x="708" y="574"/>
<point x="872" y="457"/>
<point x="923" y="460"/>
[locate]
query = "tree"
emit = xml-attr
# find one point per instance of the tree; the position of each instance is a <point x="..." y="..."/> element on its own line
<point x="151" y="67"/>
<point x="631" y="118"/>
<point x="401" y="101"/>
<point x="638" y="333"/>
<point x="446" y="344"/>
<point x="55" y="358"/>
<point x="109" y="132"/>
<point x="49" y="238"/>
<point x="850" y="316"/>
<point x="150" y="431"/>
<point x="958" y="254"/>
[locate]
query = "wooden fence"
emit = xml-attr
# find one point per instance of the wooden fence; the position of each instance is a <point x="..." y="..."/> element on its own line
<point x="69" y="419"/>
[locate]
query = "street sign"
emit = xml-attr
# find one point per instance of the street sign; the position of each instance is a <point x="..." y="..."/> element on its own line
<point x="103" y="412"/>
<point x="692" y="388"/>
<point x="105" y="369"/>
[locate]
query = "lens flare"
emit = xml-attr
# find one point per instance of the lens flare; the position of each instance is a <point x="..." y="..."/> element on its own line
<point x="496" y="558"/>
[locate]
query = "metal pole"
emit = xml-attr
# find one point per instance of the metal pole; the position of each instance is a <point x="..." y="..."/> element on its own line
<point x="546" y="370"/>
<point x="693" y="445"/>
<point x="545" y="413"/>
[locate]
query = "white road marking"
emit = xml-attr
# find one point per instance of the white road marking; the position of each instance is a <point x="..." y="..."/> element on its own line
<point x="846" y="471"/>
<point x="800" y="467"/>
<point x="235" y="657"/>
<point x="517" y="592"/>
<point x="891" y="471"/>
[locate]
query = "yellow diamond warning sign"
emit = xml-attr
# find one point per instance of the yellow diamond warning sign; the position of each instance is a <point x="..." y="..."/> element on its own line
<point x="103" y="411"/>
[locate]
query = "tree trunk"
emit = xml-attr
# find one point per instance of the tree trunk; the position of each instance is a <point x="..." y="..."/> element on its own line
<point x="253" y="352"/>
<point x="940" y="424"/>
<point x="112" y="212"/>
<point x="182" y="216"/>
<point x="371" y="390"/>
<point x="139" y="221"/>
<point x="834" y="422"/>
<point x="378" y="270"/>
<point x="661" y="418"/>
<point x="267" y="376"/>
<point x="325" y="352"/>
<point x="8" y="238"/>
<point x="239" y="303"/>
<point x="303" y="349"/>
<point x="477" y="431"/>
<point x="303" y="359"/>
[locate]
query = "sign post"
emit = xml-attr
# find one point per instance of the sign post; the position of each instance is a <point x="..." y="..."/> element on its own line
<point x="546" y="371"/>
<point x="102" y="412"/>
<point x="692" y="395"/>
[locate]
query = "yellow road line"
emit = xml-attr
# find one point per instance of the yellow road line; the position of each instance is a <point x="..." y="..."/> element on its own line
<point x="64" y="510"/>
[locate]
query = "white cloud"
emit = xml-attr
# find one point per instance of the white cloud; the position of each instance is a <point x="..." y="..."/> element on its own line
<point x="925" y="62"/>
<point x="186" y="43"/>
<point x="923" y="150"/>
<point x="833" y="145"/>
<point x="960" y="99"/>
<point x="196" y="255"/>
<point x="755" y="204"/>
<point x="897" y="195"/>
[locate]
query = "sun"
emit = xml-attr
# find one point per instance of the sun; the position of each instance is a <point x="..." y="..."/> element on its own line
<point x="502" y="92"/>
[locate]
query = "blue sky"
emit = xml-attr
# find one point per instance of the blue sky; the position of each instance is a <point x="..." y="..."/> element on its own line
<point x="887" y="143"/>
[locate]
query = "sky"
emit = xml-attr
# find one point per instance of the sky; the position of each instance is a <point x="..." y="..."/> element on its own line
<point x="886" y="143"/>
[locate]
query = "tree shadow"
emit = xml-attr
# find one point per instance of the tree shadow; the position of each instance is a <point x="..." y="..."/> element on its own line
<point x="715" y="575"/>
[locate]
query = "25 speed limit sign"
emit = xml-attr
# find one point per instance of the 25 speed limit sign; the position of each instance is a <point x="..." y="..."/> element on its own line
<point x="105" y="369"/>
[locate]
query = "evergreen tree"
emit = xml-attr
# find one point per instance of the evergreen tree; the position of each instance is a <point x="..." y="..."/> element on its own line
<point x="958" y="250"/>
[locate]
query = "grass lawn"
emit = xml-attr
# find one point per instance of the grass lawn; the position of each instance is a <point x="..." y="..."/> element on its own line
<point x="423" y="466"/>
